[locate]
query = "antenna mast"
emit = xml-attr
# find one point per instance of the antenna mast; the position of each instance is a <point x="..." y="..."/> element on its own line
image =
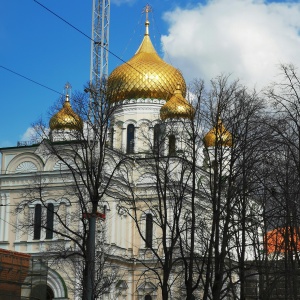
<point x="99" y="44"/>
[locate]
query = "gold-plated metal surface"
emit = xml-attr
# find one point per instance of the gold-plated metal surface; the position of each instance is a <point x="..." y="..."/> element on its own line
<point x="177" y="107"/>
<point x="66" y="118"/>
<point x="218" y="136"/>
<point x="145" y="75"/>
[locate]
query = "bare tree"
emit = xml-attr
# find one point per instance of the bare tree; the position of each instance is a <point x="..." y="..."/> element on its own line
<point x="81" y="172"/>
<point x="232" y="156"/>
<point x="203" y="204"/>
<point x="158" y="191"/>
<point x="282" y="209"/>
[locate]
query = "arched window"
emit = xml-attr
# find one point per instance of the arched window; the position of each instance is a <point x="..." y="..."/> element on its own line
<point x="130" y="138"/>
<point x="42" y="291"/>
<point x="37" y="222"/>
<point x="149" y="230"/>
<point x="50" y="294"/>
<point x="172" y="144"/>
<point x="156" y="137"/>
<point x="50" y="218"/>
<point x="148" y="297"/>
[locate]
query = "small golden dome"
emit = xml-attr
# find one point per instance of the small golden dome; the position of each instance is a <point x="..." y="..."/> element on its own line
<point x="66" y="118"/>
<point x="177" y="107"/>
<point x="145" y="75"/>
<point x="218" y="136"/>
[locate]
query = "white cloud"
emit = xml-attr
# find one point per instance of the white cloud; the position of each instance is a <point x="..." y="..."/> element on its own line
<point x="248" y="38"/>
<point x="29" y="134"/>
<point x="33" y="134"/>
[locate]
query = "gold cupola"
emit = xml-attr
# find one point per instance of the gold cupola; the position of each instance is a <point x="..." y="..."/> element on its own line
<point x="218" y="136"/>
<point x="145" y="75"/>
<point x="66" y="118"/>
<point x="177" y="107"/>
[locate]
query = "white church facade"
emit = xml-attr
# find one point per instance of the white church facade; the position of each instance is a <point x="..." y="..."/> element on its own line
<point x="38" y="198"/>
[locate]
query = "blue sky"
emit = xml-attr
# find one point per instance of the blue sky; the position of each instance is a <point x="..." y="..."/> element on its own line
<point x="247" y="38"/>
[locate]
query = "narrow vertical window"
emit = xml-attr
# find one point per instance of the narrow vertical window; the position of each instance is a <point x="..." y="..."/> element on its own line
<point x="112" y="137"/>
<point x="37" y="222"/>
<point x="130" y="138"/>
<point x="156" y="137"/>
<point x="149" y="230"/>
<point x="172" y="144"/>
<point x="50" y="219"/>
<point x="148" y="297"/>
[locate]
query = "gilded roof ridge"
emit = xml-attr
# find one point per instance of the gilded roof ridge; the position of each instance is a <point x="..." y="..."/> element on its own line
<point x="146" y="46"/>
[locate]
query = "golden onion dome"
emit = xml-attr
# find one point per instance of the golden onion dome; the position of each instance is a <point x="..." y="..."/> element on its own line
<point x="66" y="118"/>
<point x="177" y="107"/>
<point x="218" y="136"/>
<point x="145" y="75"/>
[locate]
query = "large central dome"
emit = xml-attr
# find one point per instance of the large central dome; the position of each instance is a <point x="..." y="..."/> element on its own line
<point x="145" y="75"/>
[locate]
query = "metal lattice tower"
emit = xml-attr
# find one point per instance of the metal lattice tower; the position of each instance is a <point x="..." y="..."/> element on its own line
<point x="100" y="42"/>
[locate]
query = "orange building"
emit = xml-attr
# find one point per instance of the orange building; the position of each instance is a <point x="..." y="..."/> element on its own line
<point x="283" y="239"/>
<point x="14" y="267"/>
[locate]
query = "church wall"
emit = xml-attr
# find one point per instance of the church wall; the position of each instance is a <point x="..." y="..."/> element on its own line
<point x="21" y="168"/>
<point x="143" y="114"/>
<point x="121" y="233"/>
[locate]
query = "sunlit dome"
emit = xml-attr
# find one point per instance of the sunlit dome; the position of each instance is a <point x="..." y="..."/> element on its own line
<point x="177" y="107"/>
<point x="145" y="75"/>
<point x="66" y="118"/>
<point x="218" y="136"/>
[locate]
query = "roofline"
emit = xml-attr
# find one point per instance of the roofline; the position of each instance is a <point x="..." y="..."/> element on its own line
<point x="18" y="147"/>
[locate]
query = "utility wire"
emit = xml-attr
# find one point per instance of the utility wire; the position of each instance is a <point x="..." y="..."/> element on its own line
<point x="52" y="12"/>
<point x="29" y="79"/>
<point x="112" y="53"/>
<point x="74" y="27"/>
<point x="12" y="225"/>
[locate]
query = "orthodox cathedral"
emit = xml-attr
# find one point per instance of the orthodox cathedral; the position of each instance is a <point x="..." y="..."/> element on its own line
<point x="145" y="91"/>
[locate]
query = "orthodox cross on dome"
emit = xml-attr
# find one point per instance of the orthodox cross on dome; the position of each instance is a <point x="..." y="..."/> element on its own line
<point x="68" y="88"/>
<point x="146" y="10"/>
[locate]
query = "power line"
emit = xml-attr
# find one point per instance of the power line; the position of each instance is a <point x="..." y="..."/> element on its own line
<point x="29" y="79"/>
<point x="12" y="225"/>
<point x="81" y="32"/>
<point x="109" y="51"/>
<point x="52" y="12"/>
<point x="77" y="29"/>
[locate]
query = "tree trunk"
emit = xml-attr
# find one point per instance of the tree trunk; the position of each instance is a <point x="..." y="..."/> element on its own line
<point x="88" y="289"/>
